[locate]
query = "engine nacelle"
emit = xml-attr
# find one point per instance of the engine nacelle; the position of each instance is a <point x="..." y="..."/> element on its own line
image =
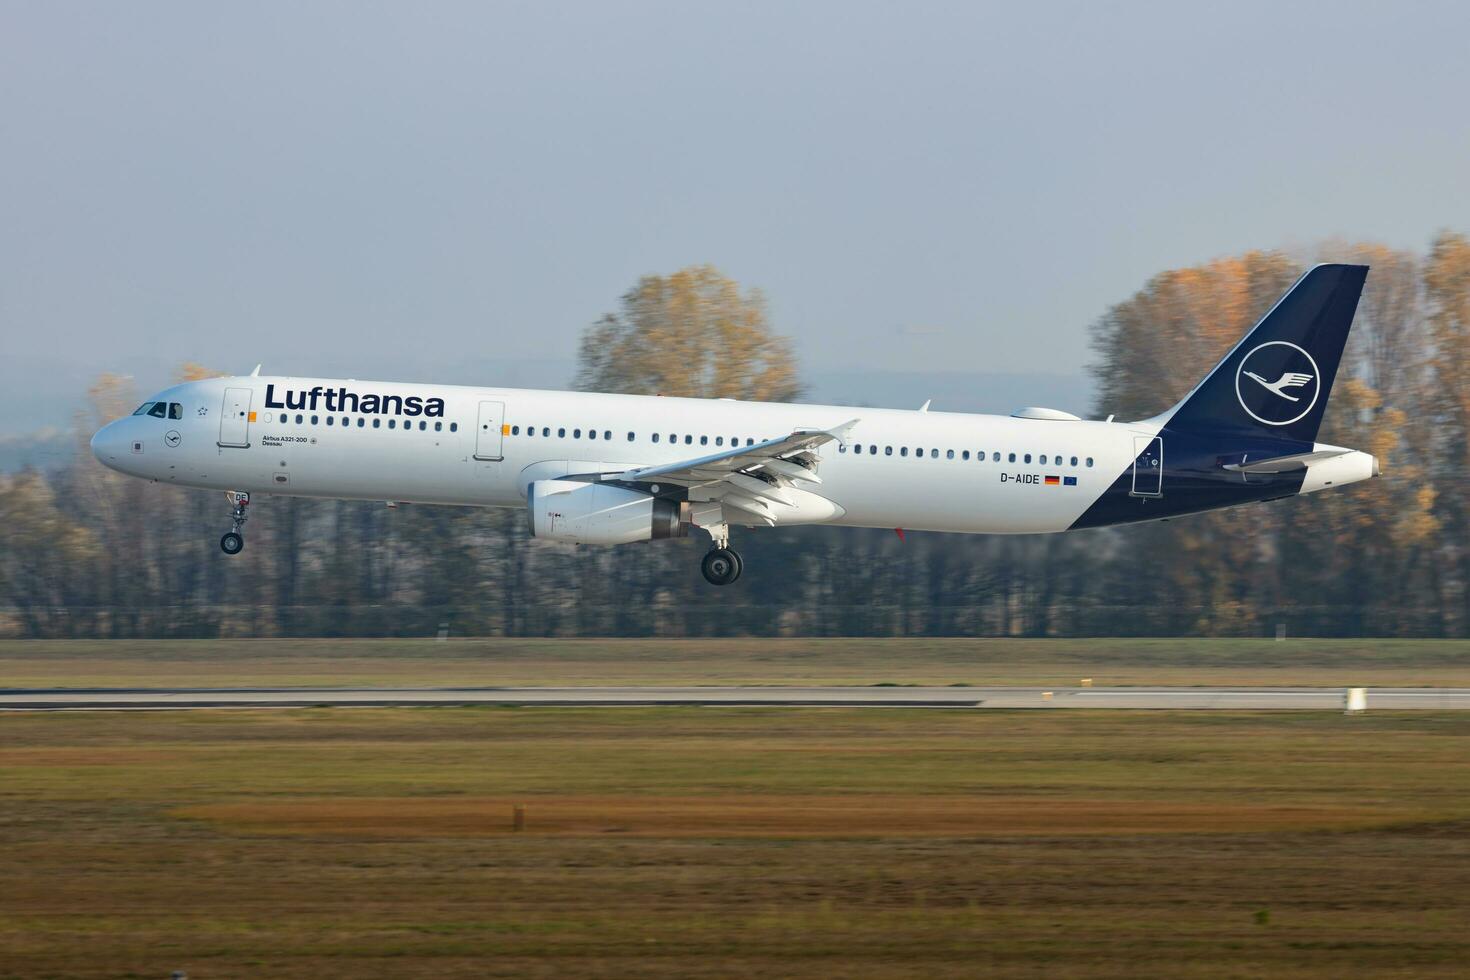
<point x="598" y="513"/>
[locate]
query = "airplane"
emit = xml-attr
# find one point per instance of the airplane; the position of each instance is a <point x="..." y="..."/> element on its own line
<point x="606" y="469"/>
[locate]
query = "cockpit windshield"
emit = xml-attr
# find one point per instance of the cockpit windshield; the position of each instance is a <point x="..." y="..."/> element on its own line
<point x="161" y="410"/>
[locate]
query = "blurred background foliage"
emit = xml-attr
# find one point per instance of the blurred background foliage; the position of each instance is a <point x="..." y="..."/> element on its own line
<point x="85" y="551"/>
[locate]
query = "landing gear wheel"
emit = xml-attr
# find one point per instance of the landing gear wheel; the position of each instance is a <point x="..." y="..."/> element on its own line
<point x="232" y="543"/>
<point x="720" y="566"/>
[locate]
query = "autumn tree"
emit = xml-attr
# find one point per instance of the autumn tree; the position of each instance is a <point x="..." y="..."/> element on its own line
<point x="692" y="334"/>
<point x="1447" y="284"/>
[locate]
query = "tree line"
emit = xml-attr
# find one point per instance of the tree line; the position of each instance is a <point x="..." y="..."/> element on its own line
<point x="85" y="551"/>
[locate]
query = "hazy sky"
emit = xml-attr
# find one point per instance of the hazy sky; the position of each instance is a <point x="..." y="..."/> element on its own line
<point x="441" y="190"/>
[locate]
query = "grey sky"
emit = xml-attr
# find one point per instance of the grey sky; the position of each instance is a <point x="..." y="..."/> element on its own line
<point x="451" y="190"/>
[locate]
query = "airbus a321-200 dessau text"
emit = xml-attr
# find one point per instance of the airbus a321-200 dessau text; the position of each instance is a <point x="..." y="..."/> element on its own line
<point x="615" y="469"/>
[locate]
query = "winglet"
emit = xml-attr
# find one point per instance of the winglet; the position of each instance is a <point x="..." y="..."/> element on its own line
<point x="256" y="372"/>
<point x="925" y="407"/>
<point x="843" y="431"/>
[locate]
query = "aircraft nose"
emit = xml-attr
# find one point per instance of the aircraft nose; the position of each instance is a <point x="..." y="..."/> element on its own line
<point x="107" y="444"/>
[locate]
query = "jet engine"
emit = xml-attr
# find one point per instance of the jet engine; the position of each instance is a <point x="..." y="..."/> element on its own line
<point x="599" y="513"/>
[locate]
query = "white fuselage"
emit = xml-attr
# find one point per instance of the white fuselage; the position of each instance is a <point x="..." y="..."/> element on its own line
<point x="911" y="469"/>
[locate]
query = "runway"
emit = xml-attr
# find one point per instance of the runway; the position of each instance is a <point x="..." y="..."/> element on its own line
<point x="1133" y="698"/>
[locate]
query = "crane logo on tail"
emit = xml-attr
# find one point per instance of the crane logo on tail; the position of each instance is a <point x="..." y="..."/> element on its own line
<point x="1281" y="383"/>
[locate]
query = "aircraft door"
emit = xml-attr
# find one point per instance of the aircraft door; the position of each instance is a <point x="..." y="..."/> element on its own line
<point x="490" y="431"/>
<point x="234" y="418"/>
<point x="1148" y="467"/>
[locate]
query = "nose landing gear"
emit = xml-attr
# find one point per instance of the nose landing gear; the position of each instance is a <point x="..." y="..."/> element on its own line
<point x="233" y="542"/>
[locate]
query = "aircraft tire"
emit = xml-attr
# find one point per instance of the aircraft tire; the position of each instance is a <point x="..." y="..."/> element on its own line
<point x="231" y="543"/>
<point x="720" y="566"/>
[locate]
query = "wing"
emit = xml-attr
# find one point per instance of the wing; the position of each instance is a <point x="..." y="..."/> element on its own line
<point x="758" y="482"/>
<point x="1293" y="379"/>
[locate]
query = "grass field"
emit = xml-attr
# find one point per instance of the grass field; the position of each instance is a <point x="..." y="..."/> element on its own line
<point x="688" y="842"/>
<point x="510" y="663"/>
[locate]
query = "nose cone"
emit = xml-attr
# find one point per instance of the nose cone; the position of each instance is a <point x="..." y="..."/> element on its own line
<point x="108" y="444"/>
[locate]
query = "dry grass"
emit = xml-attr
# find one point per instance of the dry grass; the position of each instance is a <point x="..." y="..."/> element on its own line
<point x="521" y="662"/>
<point x="695" y="843"/>
<point x="868" y="815"/>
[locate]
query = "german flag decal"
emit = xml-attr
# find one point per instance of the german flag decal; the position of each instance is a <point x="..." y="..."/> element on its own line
<point x="1053" y="481"/>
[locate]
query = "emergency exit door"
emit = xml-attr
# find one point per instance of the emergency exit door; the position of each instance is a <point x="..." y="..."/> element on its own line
<point x="1148" y="467"/>
<point x="234" y="419"/>
<point x="490" y="431"/>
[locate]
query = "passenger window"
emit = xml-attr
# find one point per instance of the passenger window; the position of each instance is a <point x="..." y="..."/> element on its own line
<point x="655" y="437"/>
<point x="561" y="433"/>
<point x="392" y="423"/>
<point x="1089" y="461"/>
<point x="591" y="433"/>
<point x="1043" y="459"/>
<point x="688" y="440"/>
<point x="704" y="440"/>
<point x="283" y="418"/>
<point x="515" y="430"/>
<point x="934" y="454"/>
<point x="857" y="449"/>
<point x="438" y="426"/>
<point x="965" y="454"/>
<point x="453" y="426"/>
<point x="1074" y="460"/>
<point x="887" y="450"/>
<point x="313" y="420"/>
<point x="377" y="423"/>
<point x="1028" y="457"/>
<point x="872" y="450"/>
<point x="995" y="457"/>
<point x="329" y="420"/>
<point x="576" y="433"/>
<point x="298" y="418"/>
<point x="158" y="409"/>
<point x="903" y="450"/>
<point x="1011" y="457"/>
<point x="719" y="440"/>
<point x="630" y="437"/>
<point x="423" y="426"/>
<point x="841" y="448"/>
<point x="949" y="454"/>
<point x="607" y="434"/>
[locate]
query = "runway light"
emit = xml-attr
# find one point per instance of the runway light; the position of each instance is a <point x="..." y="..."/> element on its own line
<point x="1355" y="701"/>
<point x="1046" y="695"/>
<point x="1087" y="682"/>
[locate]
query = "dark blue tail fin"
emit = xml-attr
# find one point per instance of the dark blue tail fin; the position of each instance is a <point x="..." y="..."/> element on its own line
<point x="1276" y="381"/>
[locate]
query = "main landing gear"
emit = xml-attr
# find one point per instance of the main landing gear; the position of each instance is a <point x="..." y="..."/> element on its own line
<point x="722" y="564"/>
<point x="233" y="543"/>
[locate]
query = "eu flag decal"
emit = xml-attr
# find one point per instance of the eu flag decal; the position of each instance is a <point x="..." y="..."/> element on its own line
<point x="1053" y="481"/>
<point x="1070" y="481"/>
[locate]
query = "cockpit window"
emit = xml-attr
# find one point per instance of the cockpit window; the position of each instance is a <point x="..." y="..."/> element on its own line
<point x="159" y="410"/>
<point x="143" y="408"/>
<point x="175" y="410"/>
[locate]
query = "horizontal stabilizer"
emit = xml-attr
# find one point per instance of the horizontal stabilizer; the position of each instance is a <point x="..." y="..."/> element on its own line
<point x="1285" y="464"/>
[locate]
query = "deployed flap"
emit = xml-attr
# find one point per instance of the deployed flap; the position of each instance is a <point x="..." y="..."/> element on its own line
<point x="703" y="469"/>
